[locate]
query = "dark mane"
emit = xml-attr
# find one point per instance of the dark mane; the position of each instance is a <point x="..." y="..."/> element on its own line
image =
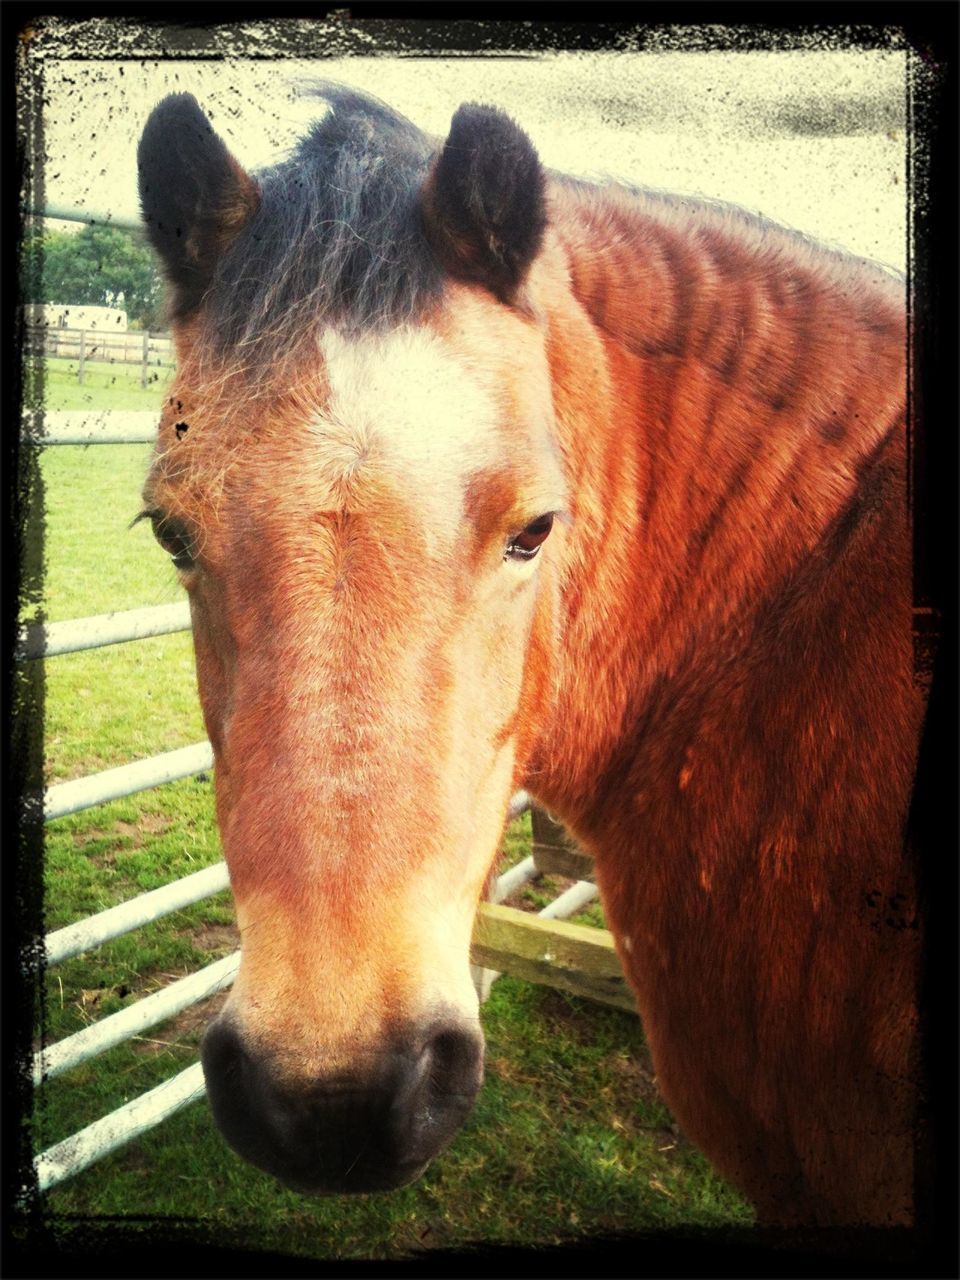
<point x="337" y="236"/>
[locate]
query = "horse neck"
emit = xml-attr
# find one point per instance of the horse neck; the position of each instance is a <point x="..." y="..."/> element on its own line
<point x="725" y="398"/>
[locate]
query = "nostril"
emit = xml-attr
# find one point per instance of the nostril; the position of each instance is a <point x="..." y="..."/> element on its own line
<point x="221" y="1051"/>
<point x="231" y="1084"/>
<point x="434" y="1092"/>
<point x="452" y="1062"/>
<point x="455" y="1059"/>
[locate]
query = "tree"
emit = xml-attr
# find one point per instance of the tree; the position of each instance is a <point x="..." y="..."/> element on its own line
<point x="99" y="266"/>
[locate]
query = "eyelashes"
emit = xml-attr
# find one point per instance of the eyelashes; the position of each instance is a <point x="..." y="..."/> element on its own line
<point x="173" y="536"/>
<point x="526" y="544"/>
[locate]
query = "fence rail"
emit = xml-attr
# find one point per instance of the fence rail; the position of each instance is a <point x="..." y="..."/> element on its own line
<point x="82" y="426"/>
<point x="100" y="346"/>
<point x="127" y="346"/>
<point x="78" y="1152"/>
<point x="50" y="639"/>
<point x="74" y="939"/>
<point x="127" y="780"/>
<point x="141" y="1015"/>
<point x="91" y="217"/>
<point x="581" y="960"/>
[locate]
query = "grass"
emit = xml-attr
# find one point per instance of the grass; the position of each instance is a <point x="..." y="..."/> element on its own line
<point x="105" y="385"/>
<point x="569" y="1138"/>
<point x="107" y="706"/>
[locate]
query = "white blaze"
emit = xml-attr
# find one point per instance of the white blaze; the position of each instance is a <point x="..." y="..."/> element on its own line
<point x="403" y="403"/>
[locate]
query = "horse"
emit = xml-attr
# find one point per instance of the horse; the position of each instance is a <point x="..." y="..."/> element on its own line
<point x="480" y="476"/>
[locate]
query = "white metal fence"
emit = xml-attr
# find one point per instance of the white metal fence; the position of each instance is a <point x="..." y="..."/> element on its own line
<point x="97" y="1140"/>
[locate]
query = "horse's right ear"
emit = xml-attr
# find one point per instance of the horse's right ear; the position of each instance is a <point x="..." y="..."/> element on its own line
<point x="194" y="196"/>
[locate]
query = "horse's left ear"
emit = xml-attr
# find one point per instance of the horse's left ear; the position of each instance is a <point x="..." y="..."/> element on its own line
<point x="194" y="196"/>
<point x="483" y="204"/>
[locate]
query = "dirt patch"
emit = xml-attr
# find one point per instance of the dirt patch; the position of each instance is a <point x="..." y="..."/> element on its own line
<point x="218" y="939"/>
<point x="185" y="1024"/>
<point x="504" y="1068"/>
<point x="154" y="823"/>
<point x="636" y="1069"/>
<point x="112" y="856"/>
<point x="135" y="1159"/>
<point x="549" y="887"/>
<point x="147" y="824"/>
<point x="87" y="836"/>
<point x="124" y="838"/>
<point x="106" y="859"/>
<point x="668" y="1142"/>
<point x="222" y="938"/>
<point x="577" y="1020"/>
<point x="130" y="830"/>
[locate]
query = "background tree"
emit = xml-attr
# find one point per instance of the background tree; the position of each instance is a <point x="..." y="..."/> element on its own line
<point x="99" y="266"/>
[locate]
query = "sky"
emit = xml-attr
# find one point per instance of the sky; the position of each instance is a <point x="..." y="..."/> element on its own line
<point x="814" y="140"/>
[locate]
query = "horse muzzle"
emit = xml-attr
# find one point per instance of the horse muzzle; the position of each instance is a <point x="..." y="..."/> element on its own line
<point x="373" y="1130"/>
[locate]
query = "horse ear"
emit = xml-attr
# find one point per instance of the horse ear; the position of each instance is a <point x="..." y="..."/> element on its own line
<point x="483" y="204"/>
<point x="194" y="196"/>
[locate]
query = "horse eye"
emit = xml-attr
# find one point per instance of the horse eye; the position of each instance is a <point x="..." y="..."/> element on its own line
<point x="175" y="540"/>
<point x="528" y="541"/>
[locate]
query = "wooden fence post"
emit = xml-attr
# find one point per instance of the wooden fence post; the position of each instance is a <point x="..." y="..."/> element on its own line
<point x="83" y="351"/>
<point x="555" y="853"/>
<point x="146" y="352"/>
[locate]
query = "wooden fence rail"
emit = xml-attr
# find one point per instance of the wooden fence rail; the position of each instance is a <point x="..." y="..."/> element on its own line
<point x="148" y="350"/>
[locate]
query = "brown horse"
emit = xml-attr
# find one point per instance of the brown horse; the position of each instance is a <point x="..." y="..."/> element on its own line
<point x="480" y="477"/>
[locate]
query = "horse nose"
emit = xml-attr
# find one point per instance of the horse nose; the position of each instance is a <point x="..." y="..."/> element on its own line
<point x="371" y="1130"/>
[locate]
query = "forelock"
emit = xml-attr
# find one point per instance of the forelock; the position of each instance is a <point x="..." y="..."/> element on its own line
<point x="336" y="241"/>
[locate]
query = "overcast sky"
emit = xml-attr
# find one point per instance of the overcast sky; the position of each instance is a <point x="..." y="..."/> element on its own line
<point x="815" y="140"/>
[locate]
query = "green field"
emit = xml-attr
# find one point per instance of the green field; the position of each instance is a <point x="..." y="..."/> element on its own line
<point x="105" y="385"/>
<point x="569" y="1139"/>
